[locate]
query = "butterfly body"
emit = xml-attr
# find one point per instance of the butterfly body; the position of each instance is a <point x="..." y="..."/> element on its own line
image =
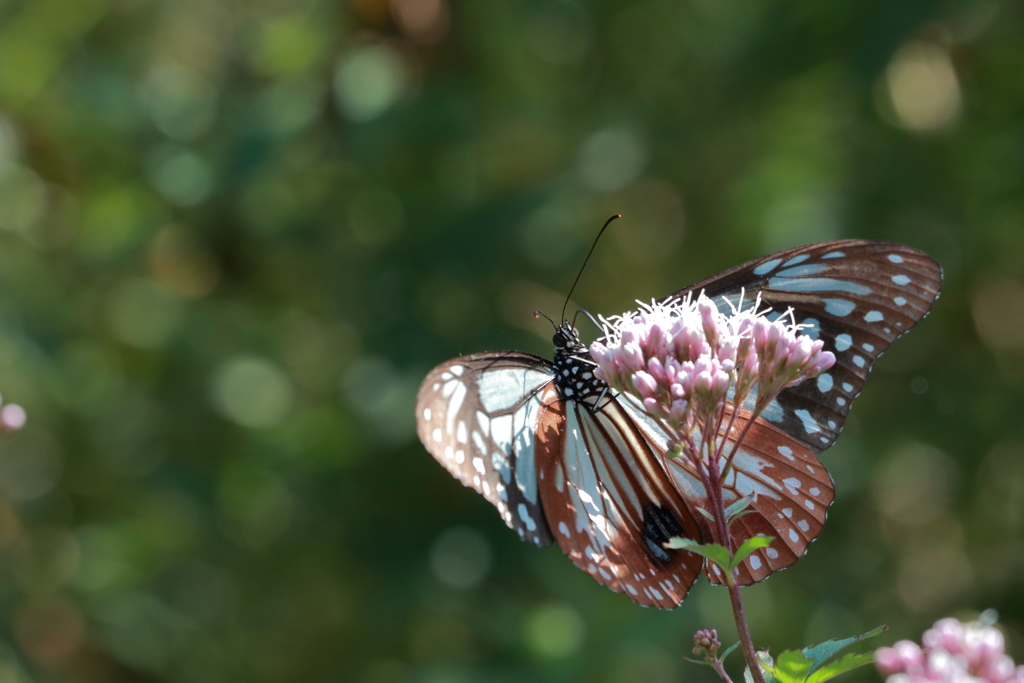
<point x="565" y="459"/>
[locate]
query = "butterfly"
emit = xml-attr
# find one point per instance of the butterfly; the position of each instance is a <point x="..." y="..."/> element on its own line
<point x="567" y="460"/>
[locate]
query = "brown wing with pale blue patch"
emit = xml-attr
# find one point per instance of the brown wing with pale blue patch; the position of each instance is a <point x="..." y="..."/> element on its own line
<point x="858" y="296"/>
<point x="478" y="416"/>
<point x="611" y="504"/>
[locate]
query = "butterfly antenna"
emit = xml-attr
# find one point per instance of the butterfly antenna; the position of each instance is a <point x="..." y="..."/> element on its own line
<point x="585" y="261"/>
<point x="539" y="314"/>
<point x="586" y="313"/>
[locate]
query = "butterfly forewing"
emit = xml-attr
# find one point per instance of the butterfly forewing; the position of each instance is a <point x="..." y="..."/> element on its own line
<point x="857" y="296"/>
<point x="611" y="504"/>
<point x="478" y="416"/>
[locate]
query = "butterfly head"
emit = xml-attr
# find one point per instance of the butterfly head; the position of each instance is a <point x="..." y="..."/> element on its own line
<point x="567" y="340"/>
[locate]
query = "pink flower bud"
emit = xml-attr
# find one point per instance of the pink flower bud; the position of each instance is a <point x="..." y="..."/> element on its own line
<point x="946" y="634"/>
<point x="904" y="656"/>
<point x="702" y="381"/>
<point x="981" y="645"/>
<point x="653" y="407"/>
<point x="632" y="357"/>
<point x="998" y="669"/>
<point x="645" y="384"/>
<point x="940" y="665"/>
<point x="657" y="370"/>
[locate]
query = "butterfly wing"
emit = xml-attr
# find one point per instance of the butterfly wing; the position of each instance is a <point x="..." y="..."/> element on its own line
<point x="557" y="469"/>
<point x="611" y="504"/>
<point x="858" y="297"/>
<point x="478" y="416"/>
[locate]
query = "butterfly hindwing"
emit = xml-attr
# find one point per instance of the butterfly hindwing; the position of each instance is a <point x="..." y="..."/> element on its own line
<point x="611" y="505"/>
<point x="790" y="492"/>
<point x="478" y="416"/>
<point x="858" y="296"/>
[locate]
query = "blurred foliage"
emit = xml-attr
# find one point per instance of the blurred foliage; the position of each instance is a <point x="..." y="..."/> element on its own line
<point x="235" y="235"/>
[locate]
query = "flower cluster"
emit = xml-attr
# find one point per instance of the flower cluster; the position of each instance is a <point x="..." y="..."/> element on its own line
<point x="705" y="643"/>
<point x="685" y="359"/>
<point x="952" y="652"/>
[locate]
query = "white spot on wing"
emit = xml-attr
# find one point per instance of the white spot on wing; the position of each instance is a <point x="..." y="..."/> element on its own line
<point x="810" y="426"/>
<point x="437" y="434"/>
<point x="426" y="413"/>
<point x="843" y="342"/>
<point x="524" y="515"/>
<point x="755" y="562"/>
<point x="501" y="389"/>
<point x="804" y="526"/>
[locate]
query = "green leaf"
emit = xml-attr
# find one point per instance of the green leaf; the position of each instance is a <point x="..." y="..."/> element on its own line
<point x="809" y="665"/>
<point x="767" y="666"/>
<point x="793" y="667"/>
<point x="711" y="551"/>
<point x="737" y="507"/>
<point x="706" y="513"/>
<point x="697" y="661"/>
<point x="750" y="545"/>
<point x="849" y="661"/>
<point x="728" y="651"/>
<point x="825" y="651"/>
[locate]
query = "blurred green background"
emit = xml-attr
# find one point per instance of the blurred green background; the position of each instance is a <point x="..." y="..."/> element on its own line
<point x="234" y="236"/>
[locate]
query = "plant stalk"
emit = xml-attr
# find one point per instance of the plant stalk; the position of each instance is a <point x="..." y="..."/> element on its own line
<point x="725" y="539"/>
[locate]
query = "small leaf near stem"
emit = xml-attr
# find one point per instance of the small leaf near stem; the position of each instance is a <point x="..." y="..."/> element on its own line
<point x="749" y="546"/>
<point x="811" y="664"/>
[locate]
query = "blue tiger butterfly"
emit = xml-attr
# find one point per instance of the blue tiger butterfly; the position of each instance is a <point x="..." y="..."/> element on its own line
<point x="564" y="459"/>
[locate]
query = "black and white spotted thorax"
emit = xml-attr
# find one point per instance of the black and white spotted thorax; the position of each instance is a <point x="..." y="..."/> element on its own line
<point x="574" y="369"/>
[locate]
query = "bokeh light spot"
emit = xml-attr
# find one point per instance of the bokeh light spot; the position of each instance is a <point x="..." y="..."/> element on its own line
<point x="998" y="310"/>
<point x="425" y="21"/>
<point x="181" y="262"/>
<point x="181" y="176"/>
<point x="913" y="484"/>
<point x="368" y="81"/>
<point x="554" y="631"/>
<point x="143" y="313"/>
<point x="181" y="103"/>
<point x="923" y="86"/>
<point x="252" y="391"/>
<point x="612" y="158"/>
<point x="23" y="196"/>
<point x="460" y="557"/>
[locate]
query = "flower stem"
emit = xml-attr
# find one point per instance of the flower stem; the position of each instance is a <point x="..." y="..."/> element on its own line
<point x="720" y="670"/>
<point x="743" y="630"/>
<point x="725" y="539"/>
